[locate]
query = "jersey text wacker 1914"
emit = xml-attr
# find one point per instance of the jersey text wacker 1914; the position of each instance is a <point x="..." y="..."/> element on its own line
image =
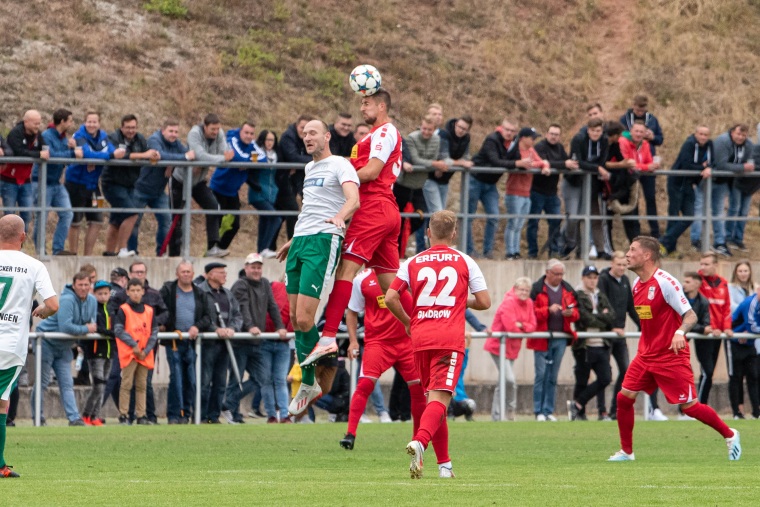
<point x="383" y="143"/>
<point x="441" y="279"/>
<point x="20" y="276"/>
<point x="660" y="303"/>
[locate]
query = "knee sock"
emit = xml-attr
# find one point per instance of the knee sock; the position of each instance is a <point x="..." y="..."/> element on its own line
<point x="431" y="420"/>
<point x="418" y="402"/>
<point x="441" y="442"/>
<point x="3" y="418"/>
<point x="706" y="415"/>
<point x="336" y="307"/>
<point x="364" y="389"/>
<point x="308" y="340"/>
<point x="625" y="418"/>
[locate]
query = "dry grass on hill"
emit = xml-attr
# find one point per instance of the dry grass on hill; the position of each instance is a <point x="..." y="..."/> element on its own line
<point x="538" y="62"/>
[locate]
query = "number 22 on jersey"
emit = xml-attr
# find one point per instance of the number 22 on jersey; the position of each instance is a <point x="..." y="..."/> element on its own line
<point x="431" y="278"/>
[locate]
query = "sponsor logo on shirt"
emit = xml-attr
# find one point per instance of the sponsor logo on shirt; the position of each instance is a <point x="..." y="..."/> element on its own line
<point x="381" y="301"/>
<point x="314" y="182"/>
<point x="9" y="317"/>
<point x="644" y="312"/>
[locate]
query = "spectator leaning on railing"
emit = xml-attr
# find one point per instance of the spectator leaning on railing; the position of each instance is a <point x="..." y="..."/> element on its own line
<point x="623" y="188"/>
<point x="262" y="192"/>
<point x="742" y="357"/>
<point x="740" y="198"/>
<point x="82" y="180"/>
<point x="455" y="151"/>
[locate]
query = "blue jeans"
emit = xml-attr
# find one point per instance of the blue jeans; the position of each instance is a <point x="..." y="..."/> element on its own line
<point x="551" y="205"/>
<point x="489" y="196"/>
<point x="717" y="207"/>
<point x="435" y="195"/>
<point x="681" y="199"/>
<point x="546" y="369"/>
<point x="18" y="195"/>
<point x="163" y="220"/>
<point x="738" y="206"/>
<point x="269" y="226"/>
<point x="56" y="196"/>
<point x="520" y="206"/>
<point x="57" y="355"/>
<point x="271" y="372"/>
<point x="247" y="358"/>
<point x="181" y="396"/>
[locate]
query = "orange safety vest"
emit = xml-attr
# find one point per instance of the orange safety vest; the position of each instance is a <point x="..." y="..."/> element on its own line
<point x="139" y="326"/>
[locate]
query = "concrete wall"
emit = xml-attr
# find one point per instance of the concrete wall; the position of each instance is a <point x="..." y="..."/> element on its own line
<point x="499" y="275"/>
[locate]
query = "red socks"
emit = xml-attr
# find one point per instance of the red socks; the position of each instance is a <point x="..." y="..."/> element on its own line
<point x="431" y="420"/>
<point x="336" y="306"/>
<point x="625" y="417"/>
<point x="441" y="442"/>
<point x="705" y="414"/>
<point x="364" y="389"/>
<point x="418" y="402"/>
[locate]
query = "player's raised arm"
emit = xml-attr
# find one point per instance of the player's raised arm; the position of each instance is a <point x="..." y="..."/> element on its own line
<point x="480" y="300"/>
<point x="351" y="191"/>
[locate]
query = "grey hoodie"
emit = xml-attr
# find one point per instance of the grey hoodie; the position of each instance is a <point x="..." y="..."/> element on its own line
<point x="206" y="150"/>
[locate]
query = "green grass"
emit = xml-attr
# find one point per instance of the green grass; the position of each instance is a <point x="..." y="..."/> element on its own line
<point x="523" y="463"/>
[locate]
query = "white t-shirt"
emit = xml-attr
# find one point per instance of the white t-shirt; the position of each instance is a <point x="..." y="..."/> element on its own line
<point x="323" y="195"/>
<point x="20" y="277"/>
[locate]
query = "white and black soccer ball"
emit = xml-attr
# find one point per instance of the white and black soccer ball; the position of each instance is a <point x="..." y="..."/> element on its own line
<point x="365" y="80"/>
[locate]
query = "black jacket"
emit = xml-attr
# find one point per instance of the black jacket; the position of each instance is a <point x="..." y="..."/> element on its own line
<point x="622" y="179"/>
<point x="601" y="320"/>
<point x="590" y="155"/>
<point x="620" y="296"/>
<point x="493" y="153"/>
<point x="557" y="156"/>
<point x="294" y="150"/>
<point x="256" y="302"/>
<point x="205" y="313"/>
<point x="701" y="307"/>
<point x="690" y="158"/>
<point x="452" y="147"/>
<point x="119" y="175"/>
<point x="19" y="141"/>
<point x="105" y="348"/>
<point x="340" y="145"/>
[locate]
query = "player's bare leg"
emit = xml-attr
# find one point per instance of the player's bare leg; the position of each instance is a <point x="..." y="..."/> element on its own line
<point x="706" y="415"/>
<point x="303" y="309"/>
<point x="430" y="422"/>
<point x="625" y="419"/>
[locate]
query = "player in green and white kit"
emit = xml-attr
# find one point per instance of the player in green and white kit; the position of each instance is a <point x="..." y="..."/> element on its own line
<point x="330" y="197"/>
<point x="20" y="277"/>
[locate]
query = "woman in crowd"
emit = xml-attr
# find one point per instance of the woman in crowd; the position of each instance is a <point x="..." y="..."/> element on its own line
<point x="262" y="193"/>
<point x="741" y="284"/>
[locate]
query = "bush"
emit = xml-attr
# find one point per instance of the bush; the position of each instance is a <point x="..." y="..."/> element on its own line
<point x="168" y="8"/>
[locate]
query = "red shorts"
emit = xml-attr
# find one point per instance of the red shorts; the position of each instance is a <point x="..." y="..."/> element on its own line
<point x="439" y="369"/>
<point x="676" y="380"/>
<point x="382" y="355"/>
<point x="372" y="236"/>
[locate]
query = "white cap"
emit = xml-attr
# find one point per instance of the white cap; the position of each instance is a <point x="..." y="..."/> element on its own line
<point x="254" y="257"/>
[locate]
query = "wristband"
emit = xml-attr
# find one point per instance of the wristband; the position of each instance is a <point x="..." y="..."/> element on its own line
<point x="681" y="332"/>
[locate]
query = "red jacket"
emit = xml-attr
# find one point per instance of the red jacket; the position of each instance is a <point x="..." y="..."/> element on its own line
<point x="541" y="306"/>
<point x="642" y="155"/>
<point x="715" y="289"/>
<point x="510" y="311"/>
<point x="281" y="298"/>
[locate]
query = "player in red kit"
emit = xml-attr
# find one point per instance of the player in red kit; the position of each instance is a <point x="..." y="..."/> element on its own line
<point x="372" y="236"/>
<point x="386" y="345"/>
<point x="663" y="356"/>
<point x="440" y="280"/>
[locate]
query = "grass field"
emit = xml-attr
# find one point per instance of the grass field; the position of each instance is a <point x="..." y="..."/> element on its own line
<point x="523" y="463"/>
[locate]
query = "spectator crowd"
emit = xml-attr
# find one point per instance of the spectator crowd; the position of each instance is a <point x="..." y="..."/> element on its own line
<point x="544" y="176"/>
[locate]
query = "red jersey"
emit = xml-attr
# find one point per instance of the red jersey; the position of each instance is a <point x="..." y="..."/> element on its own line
<point x="440" y="279"/>
<point x="379" y="323"/>
<point x="383" y="143"/>
<point x="660" y="304"/>
<point x="715" y="290"/>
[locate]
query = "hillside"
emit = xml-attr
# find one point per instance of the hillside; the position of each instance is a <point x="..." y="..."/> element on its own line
<point x="538" y="62"/>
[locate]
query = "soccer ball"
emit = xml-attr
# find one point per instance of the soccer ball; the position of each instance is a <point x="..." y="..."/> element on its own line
<point x="365" y="80"/>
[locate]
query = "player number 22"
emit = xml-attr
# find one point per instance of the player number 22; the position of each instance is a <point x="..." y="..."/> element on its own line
<point x="444" y="297"/>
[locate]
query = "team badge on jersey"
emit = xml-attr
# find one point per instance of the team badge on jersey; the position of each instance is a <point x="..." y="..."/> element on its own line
<point x="650" y="295"/>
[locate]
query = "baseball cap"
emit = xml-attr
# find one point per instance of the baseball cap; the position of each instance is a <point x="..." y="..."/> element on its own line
<point x="254" y="257"/>
<point x="590" y="270"/>
<point x="102" y="284"/>
<point x="528" y="132"/>
<point x="213" y="265"/>
<point x="119" y="272"/>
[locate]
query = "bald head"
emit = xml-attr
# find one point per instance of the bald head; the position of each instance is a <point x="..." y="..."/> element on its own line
<point x="32" y="121"/>
<point x="11" y="231"/>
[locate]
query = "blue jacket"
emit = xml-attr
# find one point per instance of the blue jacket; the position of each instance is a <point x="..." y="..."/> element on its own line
<point x="228" y="180"/>
<point x="746" y="318"/>
<point x="59" y="148"/>
<point x="73" y="314"/>
<point x="152" y="180"/>
<point x="99" y="148"/>
<point x="262" y="183"/>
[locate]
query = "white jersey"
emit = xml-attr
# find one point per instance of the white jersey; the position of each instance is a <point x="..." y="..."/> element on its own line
<point x="20" y="277"/>
<point x="323" y="195"/>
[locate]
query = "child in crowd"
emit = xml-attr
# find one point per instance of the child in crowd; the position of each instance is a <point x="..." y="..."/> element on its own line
<point x="136" y="332"/>
<point x="98" y="354"/>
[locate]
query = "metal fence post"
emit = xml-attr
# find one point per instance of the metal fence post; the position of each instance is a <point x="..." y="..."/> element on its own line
<point x="707" y="221"/>
<point x="187" y="195"/>
<point x="586" y="236"/>
<point x="42" y="217"/>
<point x="38" y="381"/>
<point x="197" y="411"/>
<point x="502" y="379"/>
<point x="465" y="209"/>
